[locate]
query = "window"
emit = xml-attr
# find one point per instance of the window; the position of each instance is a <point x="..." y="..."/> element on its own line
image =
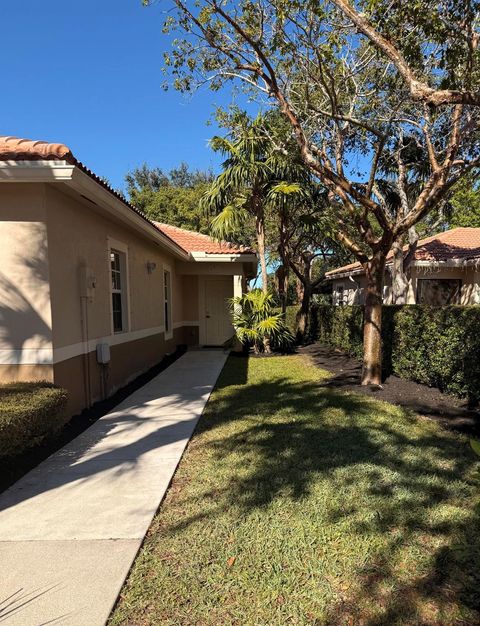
<point x="118" y="266"/>
<point x="438" y="291"/>
<point x="339" y="295"/>
<point x="167" y="302"/>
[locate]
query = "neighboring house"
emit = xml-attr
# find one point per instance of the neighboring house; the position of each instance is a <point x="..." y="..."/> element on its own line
<point x="445" y="270"/>
<point x="92" y="293"/>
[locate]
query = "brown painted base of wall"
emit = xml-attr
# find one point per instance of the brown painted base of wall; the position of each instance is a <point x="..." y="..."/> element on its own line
<point x="88" y="382"/>
<point x="188" y="335"/>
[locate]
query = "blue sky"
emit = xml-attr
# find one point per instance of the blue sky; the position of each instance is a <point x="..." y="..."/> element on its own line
<point x="88" y="74"/>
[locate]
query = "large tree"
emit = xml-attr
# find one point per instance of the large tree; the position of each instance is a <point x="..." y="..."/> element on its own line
<point x="348" y="99"/>
<point x="173" y="197"/>
<point x="238" y="196"/>
<point x="465" y="204"/>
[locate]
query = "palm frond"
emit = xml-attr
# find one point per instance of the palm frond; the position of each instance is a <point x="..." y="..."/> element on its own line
<point x="230" y="220"/>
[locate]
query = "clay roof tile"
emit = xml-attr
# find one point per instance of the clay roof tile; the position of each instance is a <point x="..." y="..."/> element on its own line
<point x="17" y="149"/>
<point x="192" y="241"/>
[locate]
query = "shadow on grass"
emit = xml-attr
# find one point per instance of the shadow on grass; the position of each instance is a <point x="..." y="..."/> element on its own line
<point x="400" y="481"/>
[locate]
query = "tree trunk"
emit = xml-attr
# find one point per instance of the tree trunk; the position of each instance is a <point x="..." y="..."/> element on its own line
<point x="399" y="278"/>
<point x="304" y="289"/>
<point x="299" y="290"/>
<point x="281" y="276"/>
<point x="372" y="325"/>
<point x="301" y="321"/>
<point x="401" y="266"/>
<point x="260" y="230"/>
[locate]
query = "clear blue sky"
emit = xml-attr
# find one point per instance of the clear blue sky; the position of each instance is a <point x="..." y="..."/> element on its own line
<point x="88" y="74"/>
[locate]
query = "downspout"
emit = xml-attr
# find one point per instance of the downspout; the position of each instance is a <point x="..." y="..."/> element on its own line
<point x="84" y="300"/>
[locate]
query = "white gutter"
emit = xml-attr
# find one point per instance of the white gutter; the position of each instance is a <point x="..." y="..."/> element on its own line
<point x="212" y="256"/>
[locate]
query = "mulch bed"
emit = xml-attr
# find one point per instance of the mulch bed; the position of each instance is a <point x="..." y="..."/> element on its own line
<point x="451" y="412"/>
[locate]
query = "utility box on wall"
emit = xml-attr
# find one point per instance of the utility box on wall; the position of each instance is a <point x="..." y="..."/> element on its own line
<point x="103" y="353"/>
<point x="88" y="282"/>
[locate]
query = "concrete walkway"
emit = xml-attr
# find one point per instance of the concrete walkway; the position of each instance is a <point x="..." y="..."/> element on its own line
<point x="70" y="529"/>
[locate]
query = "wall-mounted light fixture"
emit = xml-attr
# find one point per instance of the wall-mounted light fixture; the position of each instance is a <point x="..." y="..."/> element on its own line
<point x="151" y="266"/>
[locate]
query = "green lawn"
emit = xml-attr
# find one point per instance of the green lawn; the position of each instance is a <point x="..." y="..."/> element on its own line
<point x="295" y="504"/>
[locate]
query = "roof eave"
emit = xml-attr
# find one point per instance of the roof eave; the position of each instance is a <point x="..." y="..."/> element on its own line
<point x="223" y="257"/>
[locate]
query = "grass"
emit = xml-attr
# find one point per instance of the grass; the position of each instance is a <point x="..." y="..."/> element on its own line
<point x="297" y="504"/>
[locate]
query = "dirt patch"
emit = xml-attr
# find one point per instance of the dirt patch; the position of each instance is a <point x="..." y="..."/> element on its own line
<point x="451" y="412"/>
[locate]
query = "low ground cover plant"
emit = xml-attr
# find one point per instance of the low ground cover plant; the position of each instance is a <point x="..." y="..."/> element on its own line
<point x="29" y="414"/>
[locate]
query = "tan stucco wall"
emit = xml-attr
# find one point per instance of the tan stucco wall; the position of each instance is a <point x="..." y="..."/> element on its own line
<point x="25" y="315"/>
<point x="78" y="235"/>
<point x="128" y="360"/>
<point x="466" y="275"/>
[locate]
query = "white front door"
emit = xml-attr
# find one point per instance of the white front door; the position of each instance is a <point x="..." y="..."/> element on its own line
<point x="218" y="322"/>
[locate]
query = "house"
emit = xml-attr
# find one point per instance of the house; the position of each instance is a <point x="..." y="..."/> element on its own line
<point x="92" y="293"/>
<point x="445" y="270"/>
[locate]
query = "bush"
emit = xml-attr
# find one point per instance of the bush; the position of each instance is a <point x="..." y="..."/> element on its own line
<point x="340" y="327"/>
<point x="291" y="316"/>
<point x="29" y="414"/>
<point x="436" y="346"/>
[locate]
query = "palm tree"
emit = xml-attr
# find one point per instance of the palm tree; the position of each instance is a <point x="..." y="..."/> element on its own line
<point x="257" y="324"/>
<point x="239" y="193"/>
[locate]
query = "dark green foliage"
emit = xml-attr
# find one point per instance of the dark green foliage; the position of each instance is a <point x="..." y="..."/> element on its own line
<point x="29" y="414"/>
<point x="291" y="316"/>
<point x="341" y="327"/>
<point x="465" y="203"/>
<point x="173" y="197"/>
<point x="436" y="346"/>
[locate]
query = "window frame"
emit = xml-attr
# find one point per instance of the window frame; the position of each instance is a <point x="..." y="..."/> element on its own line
<point x="167" y="300"/>
<point x="120" y="248"/>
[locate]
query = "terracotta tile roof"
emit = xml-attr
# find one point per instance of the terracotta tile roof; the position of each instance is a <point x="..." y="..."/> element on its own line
<point x="458" y="243"/>
<point x="16" y="149"/>
<point x="191" y="241"/>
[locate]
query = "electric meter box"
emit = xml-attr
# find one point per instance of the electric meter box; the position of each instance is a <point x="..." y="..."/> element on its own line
<point x="103" y="353"/>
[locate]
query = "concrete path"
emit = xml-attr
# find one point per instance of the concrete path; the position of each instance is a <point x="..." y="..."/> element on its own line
<point x="71" y="528"/>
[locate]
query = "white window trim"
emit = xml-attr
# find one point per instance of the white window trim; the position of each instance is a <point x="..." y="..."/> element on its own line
<point x="114" y="244"/>
<point x="167" y="268"/>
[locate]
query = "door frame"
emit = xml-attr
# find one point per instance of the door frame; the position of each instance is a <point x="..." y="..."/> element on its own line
<point x="202" y="280"/>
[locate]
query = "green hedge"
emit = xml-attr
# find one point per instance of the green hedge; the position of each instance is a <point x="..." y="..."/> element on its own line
<point x="291" y="316"/>
<point x="29" y="414"/>
<point x="437" y="346"/>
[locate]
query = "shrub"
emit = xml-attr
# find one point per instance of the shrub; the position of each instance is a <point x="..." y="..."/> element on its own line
<point x="29" y="414"/>
<point x="341" y="327"/>
<point x="436" y="346"/>
<point x="291" y="317"/>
